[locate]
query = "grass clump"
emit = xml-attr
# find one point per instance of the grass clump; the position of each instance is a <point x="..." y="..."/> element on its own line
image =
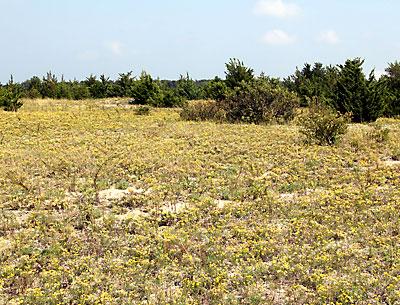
<point x="322" y="125"/>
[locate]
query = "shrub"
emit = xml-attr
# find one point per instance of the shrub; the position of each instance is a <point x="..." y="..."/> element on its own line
<point x="216" y="89"/>
<point x="202" y="110"/>
<point x="237" y="73"/>
<point x="9" y="98"/>
<point x="142" y="110"/>
<point x="169" y="98"/>
<point x="260" y="102"/>
<point x="146" y="91"/>
<point x="322" y="125"/>
<point x="187" y="88"/>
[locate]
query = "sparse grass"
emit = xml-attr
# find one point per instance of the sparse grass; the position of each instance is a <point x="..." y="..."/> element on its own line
<point x="213" y="213"/>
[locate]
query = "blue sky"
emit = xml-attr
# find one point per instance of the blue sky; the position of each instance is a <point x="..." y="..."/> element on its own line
<point x="171" y="37"/>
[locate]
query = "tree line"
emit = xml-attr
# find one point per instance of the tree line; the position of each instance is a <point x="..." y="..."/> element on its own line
<point x="345" y="88"/>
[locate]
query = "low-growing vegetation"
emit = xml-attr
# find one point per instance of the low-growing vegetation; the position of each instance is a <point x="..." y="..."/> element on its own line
<point x="322" y="125"/>
<point x="99" y="205"/>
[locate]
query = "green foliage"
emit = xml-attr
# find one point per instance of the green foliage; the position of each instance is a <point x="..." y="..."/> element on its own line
<point x="49" y="86"/>
<point x="32" y="87"/>
<point x="216" y="89"/>
<point x="124" y="85"/>
<point x="322" y="125"/>
<point x="313" y="81"/>
<point x="187" y="88"/>
<point x="237" y="73"/>
<point x="392" y="79"/>
<point x="169" y="97"/>
<point x="146" y="91"/>
<point x="154" y="93"/>
<point x="260" y="102"/>
<point x="364" y="98"/>
<point x="79" y="91"/>
<point x="10" y="96"/>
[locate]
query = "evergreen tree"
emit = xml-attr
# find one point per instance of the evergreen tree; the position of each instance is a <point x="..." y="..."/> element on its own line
<point x="187" y="88"/>
<point x="313" y="81"/>
<point x="146" y="90"/>
<point x="392" y="79"/>
<point x="237" y="73"/>
<point x="49" y="86"/>
<point x="9" y="98"/>
<point x="124" y="84"/>
<point x="364" y="98"/>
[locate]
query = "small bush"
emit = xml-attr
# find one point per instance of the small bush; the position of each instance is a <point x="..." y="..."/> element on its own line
<point x="322" y="125"/>
<point x="142" y="110"/>
<point x="202" y="110"/>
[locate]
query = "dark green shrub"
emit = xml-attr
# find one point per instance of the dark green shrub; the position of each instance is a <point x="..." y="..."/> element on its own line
<point x="260" y="102"/>
<point x="364" y="98"/>
<point x="202" y="110"/>
<point x="10" y="96"/>
<point x="168" y="97"/>
<point x="322" y="125"/>
<point x="142" y="110"/>
<point x="392" y="80"/>
<point x="146" y="91"/>
<point x="237" y="73"/>
<point x="79" y="91"/>
<point x="216" y="89"/>
<point x="124" y="86"/>
<point x="187" y="88"/>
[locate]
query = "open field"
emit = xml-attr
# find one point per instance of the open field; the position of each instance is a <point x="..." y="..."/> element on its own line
<point x="102" y="206"/>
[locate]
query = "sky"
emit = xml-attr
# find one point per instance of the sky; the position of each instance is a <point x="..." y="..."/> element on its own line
<point x="166" y="38"/>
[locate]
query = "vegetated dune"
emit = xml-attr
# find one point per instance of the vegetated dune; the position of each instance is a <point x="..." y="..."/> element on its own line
<point x="102" y="206"/>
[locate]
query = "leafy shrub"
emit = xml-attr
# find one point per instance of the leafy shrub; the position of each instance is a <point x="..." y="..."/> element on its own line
<point x="260" y="102"/>
<point x="10" y="96"/>
<point x="202" y="110"/>
<point x="323" y="125"/>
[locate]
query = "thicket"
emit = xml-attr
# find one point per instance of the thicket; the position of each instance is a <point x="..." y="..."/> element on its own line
<point x="242" y="95"/>
<point x="347" y="89"/>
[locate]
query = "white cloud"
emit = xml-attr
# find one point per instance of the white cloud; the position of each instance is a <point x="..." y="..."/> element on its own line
<point x="276" y="8"/>
<point x="329" y="37"/>
<point x="278" y="37"/>
<point x="116" y="48"/>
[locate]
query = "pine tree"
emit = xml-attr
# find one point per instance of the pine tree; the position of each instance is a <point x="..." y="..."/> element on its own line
<point x="392" y="79"/>
<point x="10" y="97"/>
<point x="364" y="98"/>
<point x="237" y="72"/>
